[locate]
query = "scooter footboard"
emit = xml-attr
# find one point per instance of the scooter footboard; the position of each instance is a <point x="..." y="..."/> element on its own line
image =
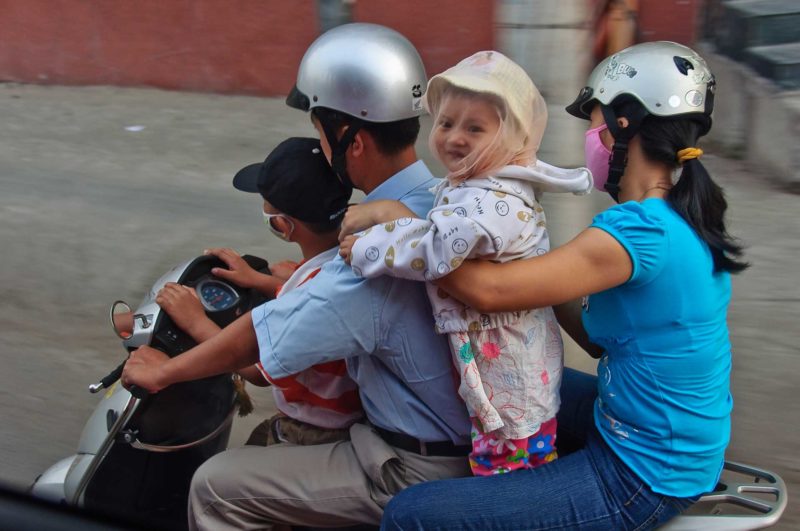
<point x="745" y="498"/>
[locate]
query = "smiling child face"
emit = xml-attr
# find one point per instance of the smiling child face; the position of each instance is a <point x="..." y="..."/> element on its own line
<point x="464" y="127"/>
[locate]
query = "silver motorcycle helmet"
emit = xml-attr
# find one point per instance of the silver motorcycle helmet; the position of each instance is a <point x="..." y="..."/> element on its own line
<point x="662" y="79"/>
<point x="367" y="71"/>
<point x="667" y="78"/>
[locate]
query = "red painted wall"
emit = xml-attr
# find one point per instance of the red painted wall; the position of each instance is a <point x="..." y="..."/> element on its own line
<point x="444" y="31"/>
<point x="227" y="46"/>
<point x="669" y="20"/>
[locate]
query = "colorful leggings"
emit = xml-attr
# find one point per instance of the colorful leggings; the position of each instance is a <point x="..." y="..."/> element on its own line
<point x="493" y="454"/>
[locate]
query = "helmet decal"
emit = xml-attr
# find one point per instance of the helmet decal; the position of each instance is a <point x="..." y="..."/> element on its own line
<point x="694" y="98"/>
<point x="616" y="69"/>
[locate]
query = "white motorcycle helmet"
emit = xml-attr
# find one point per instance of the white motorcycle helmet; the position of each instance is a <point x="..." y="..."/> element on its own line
<point x="367" y="71"/>
<point x="663" y="79"/>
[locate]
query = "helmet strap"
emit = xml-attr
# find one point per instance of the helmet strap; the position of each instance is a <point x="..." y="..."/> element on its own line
<point x="634" y="113"/>
<point x="339" y="147"/>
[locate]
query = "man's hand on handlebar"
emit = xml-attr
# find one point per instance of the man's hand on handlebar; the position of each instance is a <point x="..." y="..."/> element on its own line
<point x="144" y="369"/>
<point x="239" y="272"/>
<point x="183" y="305"/>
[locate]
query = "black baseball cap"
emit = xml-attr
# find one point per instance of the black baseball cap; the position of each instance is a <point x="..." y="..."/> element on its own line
<point x="297" y="180"/>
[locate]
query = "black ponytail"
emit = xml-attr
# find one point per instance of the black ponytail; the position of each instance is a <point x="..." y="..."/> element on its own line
<point x="696" y="197"/>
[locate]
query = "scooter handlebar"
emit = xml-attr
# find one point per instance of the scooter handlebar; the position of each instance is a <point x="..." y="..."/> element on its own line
<point x="108" y="380"/>
<point x="138" y="392"/>
<point x="113" y="376"/>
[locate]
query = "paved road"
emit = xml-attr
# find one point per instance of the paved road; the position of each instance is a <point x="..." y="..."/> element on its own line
<point x="94" y="208"/>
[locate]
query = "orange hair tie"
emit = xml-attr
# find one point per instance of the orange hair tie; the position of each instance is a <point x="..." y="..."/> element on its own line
<point x="689" y="154"/>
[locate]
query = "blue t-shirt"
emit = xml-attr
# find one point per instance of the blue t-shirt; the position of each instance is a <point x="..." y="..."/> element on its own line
<point x="664" y="400"/>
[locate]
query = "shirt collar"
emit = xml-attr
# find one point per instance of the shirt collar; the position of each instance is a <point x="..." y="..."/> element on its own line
<point x="402" y="182"/>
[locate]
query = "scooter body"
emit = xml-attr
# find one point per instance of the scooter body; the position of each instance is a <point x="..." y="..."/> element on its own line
<point x="137" y="454"/>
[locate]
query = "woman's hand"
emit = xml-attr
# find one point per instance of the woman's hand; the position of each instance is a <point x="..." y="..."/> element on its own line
<point x="144" y="369"/>
<point x="365" y="215"/>
<point x="283" y="270"/>
<point x="183" y="305"/>
<point x="346" y="247"/>
<point x="239" y="272"/>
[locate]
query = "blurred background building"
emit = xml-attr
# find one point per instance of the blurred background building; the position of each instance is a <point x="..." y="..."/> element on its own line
<point x="254" y="46"/>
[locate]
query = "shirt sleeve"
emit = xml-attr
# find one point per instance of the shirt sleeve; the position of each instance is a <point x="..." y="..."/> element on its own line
<point x="328" y="318"/>
<point x="471" y="223"/>
<point x="643" y="235"/>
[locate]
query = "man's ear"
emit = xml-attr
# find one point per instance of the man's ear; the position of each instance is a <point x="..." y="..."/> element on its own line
<point x="623" y="122"/>
<point x="282" y="224"/>
<point x="359" y="144"/>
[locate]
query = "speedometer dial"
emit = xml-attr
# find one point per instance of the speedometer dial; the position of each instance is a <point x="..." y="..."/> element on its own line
<point x="217" y="296"/>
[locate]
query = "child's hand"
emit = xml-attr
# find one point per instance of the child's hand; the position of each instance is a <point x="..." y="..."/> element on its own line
<point x="183" y="305"/>
<point x="283" y="270"/>
<point x="346" y="247"/>
<point x="365" y="215"/>
<point x="239" y="272"/>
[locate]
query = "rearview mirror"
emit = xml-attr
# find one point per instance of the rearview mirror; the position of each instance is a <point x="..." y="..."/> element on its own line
<point x="122" y="319"/>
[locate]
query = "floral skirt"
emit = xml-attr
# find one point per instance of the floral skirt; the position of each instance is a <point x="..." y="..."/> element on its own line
<point x="494" y="454"/>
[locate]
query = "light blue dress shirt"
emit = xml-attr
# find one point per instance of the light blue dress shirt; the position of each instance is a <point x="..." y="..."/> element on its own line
<point x="383" y="328"/>
<point x="664" y="399"/>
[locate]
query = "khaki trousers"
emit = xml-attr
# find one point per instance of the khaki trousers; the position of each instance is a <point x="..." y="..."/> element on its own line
<point x="327" y="485"/>
<point x="280" y="428"/>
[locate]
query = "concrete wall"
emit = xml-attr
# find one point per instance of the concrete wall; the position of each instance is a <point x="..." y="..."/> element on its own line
<point x="755" y="120"/>
<point x="226" y="46"/>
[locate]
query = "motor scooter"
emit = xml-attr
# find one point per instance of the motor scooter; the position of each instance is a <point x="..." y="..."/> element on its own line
<point x="138" y="452"/>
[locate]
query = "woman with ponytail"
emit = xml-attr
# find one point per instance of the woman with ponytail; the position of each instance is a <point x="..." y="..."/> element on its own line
<point x="645" y="289"/>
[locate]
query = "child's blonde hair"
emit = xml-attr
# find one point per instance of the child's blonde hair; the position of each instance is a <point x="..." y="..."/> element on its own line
<point x="520" y="106"/>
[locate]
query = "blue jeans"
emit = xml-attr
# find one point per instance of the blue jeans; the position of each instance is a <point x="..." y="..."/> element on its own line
<point x="589" y="488"/>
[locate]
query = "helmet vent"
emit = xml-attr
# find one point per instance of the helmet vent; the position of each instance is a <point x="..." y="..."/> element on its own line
<point x="683" y="64"/>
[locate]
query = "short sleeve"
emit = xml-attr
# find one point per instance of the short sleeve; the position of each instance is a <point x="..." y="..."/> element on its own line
<point x="642" y="232"/>
<point x="326" y="319"/>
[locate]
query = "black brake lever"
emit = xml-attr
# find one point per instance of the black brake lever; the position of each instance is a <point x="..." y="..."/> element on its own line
<point x="113" y="376"/>
<point x="108" y="380"/>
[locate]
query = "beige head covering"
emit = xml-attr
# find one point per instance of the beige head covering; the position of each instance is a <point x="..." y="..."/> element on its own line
<point x="523" y="111"/>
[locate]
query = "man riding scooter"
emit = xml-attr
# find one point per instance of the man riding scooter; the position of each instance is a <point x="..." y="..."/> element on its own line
<point x="362" y="84"/>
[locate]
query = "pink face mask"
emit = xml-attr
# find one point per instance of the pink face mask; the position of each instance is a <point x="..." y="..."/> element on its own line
<point x="597" y="156"/>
